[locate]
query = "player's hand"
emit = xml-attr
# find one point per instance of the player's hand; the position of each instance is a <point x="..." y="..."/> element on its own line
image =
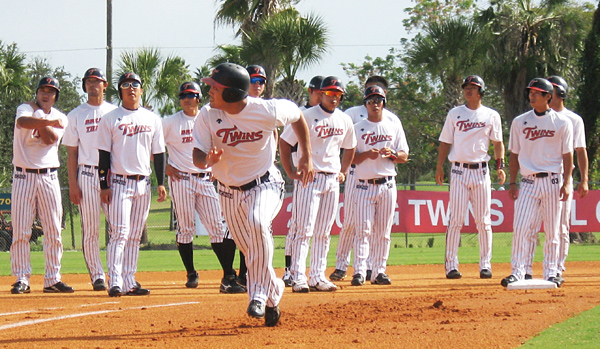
<point x="513" y="192"/>
<point x="583" y="189"/>
<point x="57" y="123"/>
<point x="501" y="176"/>
<point x="306" y="172"/>
<point x="372" y="154"/>
<point x="565" y="191"/>
<point x="173" y="173"/>
<point x="341" y="177"/>
<point x="162" y="193"/>
<point x="106" y="196"/>
<point x="439" y="175"/>
<point x="213" y="156"/>
<point x="75" y="195"/>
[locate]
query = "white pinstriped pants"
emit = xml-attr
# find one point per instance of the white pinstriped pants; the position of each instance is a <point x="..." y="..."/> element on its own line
<point x="539" y="199"/>
<point x="127" y="213"/>
<point x="192" y="194"/>
<point x="33" y="192"/>
<point x="469" y="185"/>
<point x="373" y="211"/>
<point x="249" y="215"/>
<point x="89" y="183"/>
<point x="346" y="237"/>
<point x="313" y="214"/>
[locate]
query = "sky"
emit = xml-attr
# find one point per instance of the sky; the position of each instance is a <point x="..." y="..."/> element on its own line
<point x="72" y="33"/>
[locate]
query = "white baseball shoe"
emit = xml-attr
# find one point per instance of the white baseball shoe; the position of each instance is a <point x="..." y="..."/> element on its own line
<point x="324" y="286"/>
<point x="300" y="287"/>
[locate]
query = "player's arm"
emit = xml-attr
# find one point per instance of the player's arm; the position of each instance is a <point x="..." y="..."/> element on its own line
<point x="565" y="190"/>
<point x="443" y="151"/>
<point x="72" y="169"/>
<point x="305" y="165"/>
<point x="583" y="164"/>
<point x="45" y="127"/>
<point x="285" y="154"/>
<point x="103" y="168"/>
<point x="159" y="169"/>
<point x="513" y="163"/>
<point x="347" y="158"/>
<point x="172" y="172"/>
<point x="499" y="156"/>
<point x="359" y="158"/>
<point x="398" y="157"/>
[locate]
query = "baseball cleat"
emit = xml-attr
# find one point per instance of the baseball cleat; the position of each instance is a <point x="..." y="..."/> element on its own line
<point x="382" y="279"/>
<point x="485" y="274"/>
<point x="138" y="291"/>
<point x="59" y="287"/>
<point x="369" y="274"/>
<point x="99" y="285"/>
<point x="192" y="280"/>
<point x="560" y="279"/>
<point x="19" y="288"/>
<point x="300" y="287"/>
<point x="242" y="280"/>
<point x="256" y="309"/>
<point x="115" y="291"/>
<point x="557" y="280"/>
<point x="337" y="275"/>
<point x="357" y="280"/>
<point x="453" y="274"/>
<point x="324" y="286"/>
<point x="230" y="285"/>
<point x="272" y="315"/>
<point x="508" y="280"/>
<point x="287" y="278"/>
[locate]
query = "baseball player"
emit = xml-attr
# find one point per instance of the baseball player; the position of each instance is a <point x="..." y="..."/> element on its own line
<point x="541" y="146"/>
<point x="465" y="140"/>
<point x="82" y="166"/>
<point x="315" y="204"/>
<point x="233" y="136"/>
<point x="381" y="144"/>
<point x="346" y="236"/>
<point x="127" y="139"/>
<point x="258" y="79"/>
<point x="35" y="188"/>
<point x="558" y="104"/>
<point x="314" y="93"/>
<point x="192" y="191"/>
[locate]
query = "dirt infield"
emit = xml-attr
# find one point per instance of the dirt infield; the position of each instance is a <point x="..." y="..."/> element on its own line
<point x="421" y="309"/>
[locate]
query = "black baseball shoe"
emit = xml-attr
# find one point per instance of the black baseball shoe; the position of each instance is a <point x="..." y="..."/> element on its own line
<point x="230" y="285"/>
<point x="242" y="280"/>
<point x="508" y="280"/>
<point x="559" y="279"/>
<point x="337" y="275"/>
<point x="115" y="291"/>
<point x="555" y="280"/>
<point x="272" y="315"/>
<point x="138" y="291"/>
<point x="192" y="280"/>
<point x="453" y="274"/>
<point x="256" y="309"/>
<point x="382" y="279"/>
<point x="59" y="287"/>
<point x="357" y="280"/>
<point x="19" y="288"/>
<point x="99" y="285"/>
<point x="369" y="274"/>
<point x="528" y="277"/>
<point x="485" y="274"/>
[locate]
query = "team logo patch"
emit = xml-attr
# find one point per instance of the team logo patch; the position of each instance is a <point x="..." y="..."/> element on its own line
<point x="325" y="131"/>
<point x="372" y="138"/>
<point x="467" y="126"/>
<point x="532" y="133"/>
<point x="233" y="137"/>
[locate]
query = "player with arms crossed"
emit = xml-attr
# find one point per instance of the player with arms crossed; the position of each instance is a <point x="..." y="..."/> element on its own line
<point x="234" y="137"/>
<point x="465" y="140"/>
<point x="541" y="149"/>
<point x="127" y="139"/>
<point x="192" y="191"/>
<point x="82" y="165"/>
<point x="381" y="145"/>
<point x="35" y="188"/>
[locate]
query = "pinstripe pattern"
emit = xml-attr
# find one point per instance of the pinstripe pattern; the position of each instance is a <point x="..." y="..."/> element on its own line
<point x="33" y="193"/>
<point x="192" y="194"/>
<point x="346" y="237"/>
<point x="474" y="186"/>
<point x="373" y="219"/>
<point x="249" y="215"/>
<point x="89" y="183"/>
<point x="538" y="200"/>
<point x="127" y="213"/>
<point x="313" y="215"/>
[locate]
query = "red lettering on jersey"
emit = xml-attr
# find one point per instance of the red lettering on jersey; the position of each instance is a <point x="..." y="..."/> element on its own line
<point x="187" y="139"/>
<point x="372" y="138"/>
<point x="92" y="121"/>
<point x="325" y="131"/>
<point x="131" y="130"/>
<point x="186" y="132"/>
<point x="532" y="133"/>
<point x="233" y="138"/>
<point x="89" y="129"/>
<point x="465" y="125"/>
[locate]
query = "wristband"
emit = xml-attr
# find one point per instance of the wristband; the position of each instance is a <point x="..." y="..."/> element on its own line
<point x="393" y="156"/>
<point x="499" y="164"/>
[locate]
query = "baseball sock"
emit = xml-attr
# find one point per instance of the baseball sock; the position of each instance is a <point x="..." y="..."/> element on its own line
<point x="243" y="268"/>
<point x="186" y="251"/>
<point x="225" y="252"/>
<point x="288" y="261"/>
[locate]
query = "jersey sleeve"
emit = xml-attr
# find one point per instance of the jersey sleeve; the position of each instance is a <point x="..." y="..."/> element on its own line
<point x="201" y="132"/>
<point x="496" y="133"/>
<point x="286" y="112"/>
<point x="513" y="141"/>
<point x="71" y="137"/>
<point x="568" y="138"/>
<point x="104" y="140"/>
<point x="578" y="133"/>
<point x="289" y="135"/>
<point x="158" y="140"/>
<point x="401" y="143"/>
<point x="23" y="110"/>
<point x="350" y="137"/>
<point x="447" y="135"/>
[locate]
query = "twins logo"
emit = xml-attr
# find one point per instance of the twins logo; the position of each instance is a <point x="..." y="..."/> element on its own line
<point x="131" y="130"/>
<point x="372" y="138"/>
<point x="532" y="133"/>
<point x="466" y="125"/>
<point x="233" y="137"/>
<point x="325" y="131"/>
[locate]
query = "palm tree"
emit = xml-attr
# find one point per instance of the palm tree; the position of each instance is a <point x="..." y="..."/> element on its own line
<point x="161" y="77"/>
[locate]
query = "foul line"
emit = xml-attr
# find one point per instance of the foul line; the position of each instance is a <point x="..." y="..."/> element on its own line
<point x="62" y="317"/>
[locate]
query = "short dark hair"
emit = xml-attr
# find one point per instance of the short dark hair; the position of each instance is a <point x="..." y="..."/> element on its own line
<point x="378" y="80"/>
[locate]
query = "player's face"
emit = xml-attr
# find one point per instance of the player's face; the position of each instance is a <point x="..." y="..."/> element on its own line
<point x="131" y="92"/>
<point x="374" y="106"/>
<point x="539" y="100"/>
<point x="189" y="101"/>
<point x="314" y="97"/>
<point x="331" y="99"/>
<point x="95" y="87"/>
<point x="257" y="87"/>
<point x="215" y="95"/>
<point x="471" y="93"/>
<point x="46" y="97"/>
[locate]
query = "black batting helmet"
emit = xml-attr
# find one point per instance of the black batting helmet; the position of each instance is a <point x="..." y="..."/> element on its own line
<point x="128" y="76"/>
<point x="374" y="90"/>
<point x="540" y="84"/>
<point x="560" y="85"/>
<point x="475" y="80"/>
<point x="233" y="78"/>
<point x="190" y="87"/>
<point x="51" y="82"/>
<point x="92" y="73"/>
<point x="332" y="83"/>
<point x="256" y="71"/>
<point x="315" y="82"/>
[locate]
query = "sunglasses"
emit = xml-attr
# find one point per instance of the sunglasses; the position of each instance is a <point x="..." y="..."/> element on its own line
<point x="337" y="94"/>
<point x="378" y="100"/>
<point x="259" y="81"/>
<point x="188" y="95"/>
<point x="134" y="84"/>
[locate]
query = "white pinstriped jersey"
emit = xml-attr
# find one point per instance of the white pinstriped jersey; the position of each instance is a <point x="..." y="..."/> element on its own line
<point x="83" y="130"/>
<point x="360" y="113"/>
<point x="328" y="133"/>
<point x="28" y="149"/>
<point x="578" y="128"/>
<point x="470" y="131"/>
<point x="177" y="130"/>
<point x="245" y="137"/>
<point x="378" y="135"/>
<point x="131" y="137"/>
<point x="531" y="136"/>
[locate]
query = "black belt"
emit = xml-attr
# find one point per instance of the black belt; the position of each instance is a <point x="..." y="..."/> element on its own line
<point x="90" y="166"/>
<point x="200" y="175"/>
<point x="472" y="166"/>
<point x="326" y="173"/>
<point x="250" y="185"/>
<point x="134" y="177"/>
<point x="37" y="170"/>
<point x="542" y="174"/>
<point x="381" y="180"/>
